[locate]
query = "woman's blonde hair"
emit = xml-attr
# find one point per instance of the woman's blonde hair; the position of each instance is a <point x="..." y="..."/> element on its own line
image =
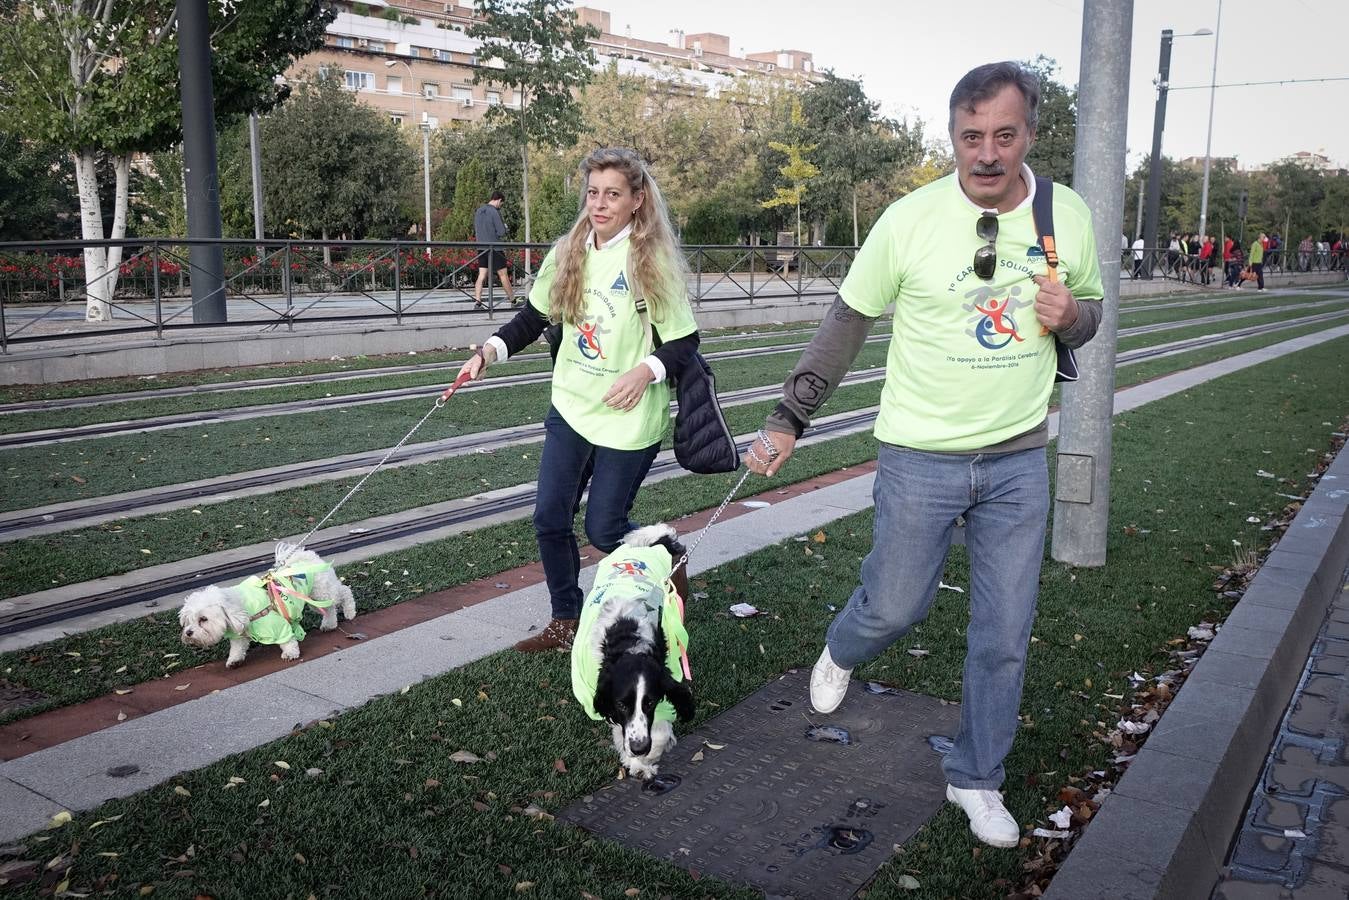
<point x="656" y="266"/>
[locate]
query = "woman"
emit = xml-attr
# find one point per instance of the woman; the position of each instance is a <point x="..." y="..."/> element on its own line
<point x="610" y="397"/>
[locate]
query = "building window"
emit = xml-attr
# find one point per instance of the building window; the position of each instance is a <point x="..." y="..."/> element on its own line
<point x="396" y="118"/>
<point x="440" y="55"/>
<point x="414" y="52"/>
<point x="430" y="90"/>
<point x="359" y="81"/>
<point x="346" y="42"/>
<point x="494" y="98"/>
<point x="463" y="93"/>
<point x="393" y="84"/>
<point x="431" y="122"/>
<point x="375" y="46"/>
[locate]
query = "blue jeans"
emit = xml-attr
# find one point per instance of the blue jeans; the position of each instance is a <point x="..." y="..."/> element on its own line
<point x="568" y="463"/>
<point x="1005" y="501"/>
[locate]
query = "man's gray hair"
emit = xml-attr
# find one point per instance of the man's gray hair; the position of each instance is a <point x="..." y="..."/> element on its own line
<point x="984" y="82"/>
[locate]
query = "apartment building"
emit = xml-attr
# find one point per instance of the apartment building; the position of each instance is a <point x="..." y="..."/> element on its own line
<point x="414" y="60"/>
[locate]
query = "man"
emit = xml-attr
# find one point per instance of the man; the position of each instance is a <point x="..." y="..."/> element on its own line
<point x="489" y="228"/>
<point x="1138" y="257"/>
<point x="962" y="419"/>
<point x="1258" y="260"/>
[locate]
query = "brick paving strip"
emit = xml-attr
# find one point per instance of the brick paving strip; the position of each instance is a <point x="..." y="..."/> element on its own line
<point x="1165" y="830"/>
<point x="18" y="739"/>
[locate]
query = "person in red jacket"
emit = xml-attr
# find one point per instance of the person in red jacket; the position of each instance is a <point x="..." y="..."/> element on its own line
<point x="1206" y="259"/>
<point x="1230" y="271"/>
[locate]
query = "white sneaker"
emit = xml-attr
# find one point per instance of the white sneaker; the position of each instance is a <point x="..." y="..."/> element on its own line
<point x="989" y="819"/>
<point x="828" y="683"/>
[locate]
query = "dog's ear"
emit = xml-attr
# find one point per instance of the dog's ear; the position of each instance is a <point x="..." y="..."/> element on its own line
<point x="604" y="695"/>
<point x="680" y="696"/>
<point x="236" y="616"/>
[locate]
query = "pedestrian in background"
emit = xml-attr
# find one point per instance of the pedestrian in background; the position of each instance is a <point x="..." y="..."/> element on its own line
<point x="490" y="228"/>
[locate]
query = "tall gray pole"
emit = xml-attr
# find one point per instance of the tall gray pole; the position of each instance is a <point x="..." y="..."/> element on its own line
<point x="1082" y="490"/>
<point x="255" y="154"/>
<point x="1208" y="142"/>
<point x="1155" y="165"/>
<point x="199" y="163"/>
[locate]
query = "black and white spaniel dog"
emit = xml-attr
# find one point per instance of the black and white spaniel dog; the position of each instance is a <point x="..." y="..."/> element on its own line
<point x="628" y="661"/>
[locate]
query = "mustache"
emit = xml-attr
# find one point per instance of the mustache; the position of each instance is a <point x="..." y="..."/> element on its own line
<point x="988" y="170"/>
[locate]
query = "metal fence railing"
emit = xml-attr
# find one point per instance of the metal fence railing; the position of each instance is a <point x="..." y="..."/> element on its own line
<point x="269" y="284"/>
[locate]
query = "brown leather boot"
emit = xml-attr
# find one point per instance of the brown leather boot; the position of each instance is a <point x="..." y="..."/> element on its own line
<point x="556" y="635"/>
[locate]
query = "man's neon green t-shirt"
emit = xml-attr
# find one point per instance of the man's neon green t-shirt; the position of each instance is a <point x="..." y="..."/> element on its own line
<point x="609" y="341"/>
<point x="967" y="367"/>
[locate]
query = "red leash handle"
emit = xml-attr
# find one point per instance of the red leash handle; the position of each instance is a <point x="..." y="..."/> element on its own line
<point x="458" y="383"/>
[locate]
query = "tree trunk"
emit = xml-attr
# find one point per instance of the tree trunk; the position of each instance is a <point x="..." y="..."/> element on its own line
<point x="524" y="155"/>
<point x="98" y="300"/>
<point x="328" y="251"/>
<point x="122" y="169"/>
<point x="854" y="215"/>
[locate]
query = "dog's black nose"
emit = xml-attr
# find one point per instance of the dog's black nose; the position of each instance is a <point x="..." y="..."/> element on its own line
<point x="639" y="748"/>
<point x="188" y="632"/>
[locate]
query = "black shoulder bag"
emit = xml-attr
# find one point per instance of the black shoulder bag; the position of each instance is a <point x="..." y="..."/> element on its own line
<point x="1042" y="208"/>
<point x="703" y="442"/>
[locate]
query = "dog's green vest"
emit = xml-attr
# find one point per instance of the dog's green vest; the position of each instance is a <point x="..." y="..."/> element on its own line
<point x="294" y="586"/>
<point x="629" y="573"/>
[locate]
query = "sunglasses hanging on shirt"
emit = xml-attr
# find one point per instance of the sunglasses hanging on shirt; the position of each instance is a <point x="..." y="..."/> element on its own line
<point x="986" y="257"/>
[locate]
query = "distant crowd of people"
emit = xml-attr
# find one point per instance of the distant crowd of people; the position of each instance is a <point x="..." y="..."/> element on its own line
<point x="1193" y="257"/>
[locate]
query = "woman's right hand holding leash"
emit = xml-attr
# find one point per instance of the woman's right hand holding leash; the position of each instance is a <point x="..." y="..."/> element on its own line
<point x="477" y="363"/>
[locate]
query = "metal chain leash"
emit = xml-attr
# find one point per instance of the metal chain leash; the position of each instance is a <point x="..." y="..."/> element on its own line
<point x="772" y="455"/>
<point x="440" y="402"/>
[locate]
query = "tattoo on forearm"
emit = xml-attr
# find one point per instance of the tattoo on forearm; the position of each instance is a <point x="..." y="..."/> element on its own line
<point x="809" y="388"/>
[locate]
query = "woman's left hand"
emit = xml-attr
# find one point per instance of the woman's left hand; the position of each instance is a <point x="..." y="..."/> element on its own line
<point x="629" y="387"/>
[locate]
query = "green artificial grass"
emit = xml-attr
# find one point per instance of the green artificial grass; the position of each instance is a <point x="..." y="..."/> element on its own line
<point x="1154" y="338"/>
<point x="1236" y="306"/>
<point x="56" y="473"/>
<point x="431" y="379"/>
<point x="388" y="813"/>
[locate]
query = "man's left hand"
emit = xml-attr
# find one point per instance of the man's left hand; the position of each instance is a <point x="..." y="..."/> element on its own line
<point x="1055" y="307"/>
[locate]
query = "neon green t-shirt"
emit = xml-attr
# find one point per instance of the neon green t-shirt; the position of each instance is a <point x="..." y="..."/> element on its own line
<point x="967" y="366"/>
<point x="1257" y="252"/>
<point x="609" y="341"/>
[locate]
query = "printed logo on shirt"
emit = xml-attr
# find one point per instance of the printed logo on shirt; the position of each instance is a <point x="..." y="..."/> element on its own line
<point x="588" y="338"/>
<point x="992" y="324"/>
<point x="620" y="283"/>
<point x="1034" y="251"/>
<point x="631" y="567"/>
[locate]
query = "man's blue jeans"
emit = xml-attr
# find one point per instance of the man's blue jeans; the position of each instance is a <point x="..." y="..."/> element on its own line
<point x="568" y="462"/>
<point x="1005" y="501"/>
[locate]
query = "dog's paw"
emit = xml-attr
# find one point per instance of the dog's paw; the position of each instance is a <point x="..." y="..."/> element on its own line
<point x="326" y="625"/>
<point x="234" y="663"/>
<point x="290" y="653"/>
<point x="639" y="769"/>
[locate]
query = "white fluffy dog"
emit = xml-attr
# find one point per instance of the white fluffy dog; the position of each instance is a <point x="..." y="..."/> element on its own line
<point x="255" y="610"/>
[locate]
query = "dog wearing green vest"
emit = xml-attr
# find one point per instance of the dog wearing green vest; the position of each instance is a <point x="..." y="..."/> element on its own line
<point x="267" y="609"/>
<point x="629" y="664"/>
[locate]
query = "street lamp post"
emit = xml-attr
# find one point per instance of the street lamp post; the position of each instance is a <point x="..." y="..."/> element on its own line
<point x="1208" y="142"/>
<point x="1154" y="205"/>
<point x="426" y="179"/>
<point x="425" y="127"/>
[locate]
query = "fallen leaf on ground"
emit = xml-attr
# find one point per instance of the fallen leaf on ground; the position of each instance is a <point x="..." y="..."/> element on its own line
<point x="464" y="756"/>
<point x="559" y="765"/>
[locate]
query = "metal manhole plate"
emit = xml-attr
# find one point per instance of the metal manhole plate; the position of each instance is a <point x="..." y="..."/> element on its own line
<point x="795" y="804"/>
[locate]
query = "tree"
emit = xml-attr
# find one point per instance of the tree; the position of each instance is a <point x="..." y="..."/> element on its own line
<point x="1055" y="137"/>
<point x="493" y="149"/>
<point x="37" y="197"/>
<point x="798" y="171"/>
<point x="102" y="77"/>
<point x="538" y="50"/>
<point x="470" y="192"/>
<point x="854" y="145"/>
<point x="331" y="165"/>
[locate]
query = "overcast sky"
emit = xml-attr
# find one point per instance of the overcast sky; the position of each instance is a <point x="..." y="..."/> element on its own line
<point x="910" y="54"/>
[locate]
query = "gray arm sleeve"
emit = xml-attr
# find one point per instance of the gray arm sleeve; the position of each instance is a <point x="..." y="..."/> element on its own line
<point x="1084" y="329"/>
<point x="821" y="368"/>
